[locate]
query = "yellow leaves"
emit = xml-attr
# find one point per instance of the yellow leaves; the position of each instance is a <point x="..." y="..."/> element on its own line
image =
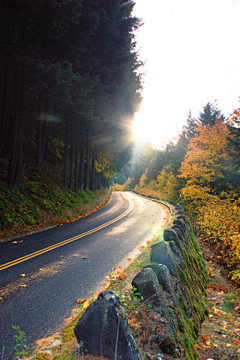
<point x="103" y="165"/>
<point x="22" y="275"/>
<point x="202" y="162"/>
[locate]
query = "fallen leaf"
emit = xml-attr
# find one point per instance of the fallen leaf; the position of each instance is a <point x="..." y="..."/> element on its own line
<point x="40" y="269"/>
<point x="20" y="241"/>
<point x="80" y="301"/>
<point x="129" y="259"/>
<point x="132" y="323"/>
<point x="86" y="304"/>
<point x="1" y="298"/>
<point x="198" y="347"/>
<point x="22" y="275"/>
<point x="85" y="257"/>
<point x="223" y="328"/>
<point x="24" y="286"/>
<point x="14" y="242"/>
<point x="215" y="345"/>
<point x="206" y="340"/>
<point x="122" y="276"/>
<point x="136" y="326"/>
<point x="228" y="345"/>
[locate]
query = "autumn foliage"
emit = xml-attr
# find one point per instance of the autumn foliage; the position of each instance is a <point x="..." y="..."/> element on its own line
<point x="205" y="182"/>
<point x="217" y="212"/>
<point x="220" y="222"/>
<point x="202" y="166"/>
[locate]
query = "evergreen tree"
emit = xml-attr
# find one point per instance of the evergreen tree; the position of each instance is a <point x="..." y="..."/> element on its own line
<point x="210" y="115"/>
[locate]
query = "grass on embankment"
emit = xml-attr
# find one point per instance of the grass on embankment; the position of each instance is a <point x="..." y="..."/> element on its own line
<point x="36" y="204"/>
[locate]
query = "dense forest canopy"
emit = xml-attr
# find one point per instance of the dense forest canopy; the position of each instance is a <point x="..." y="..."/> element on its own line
<point x="69" y="87"/>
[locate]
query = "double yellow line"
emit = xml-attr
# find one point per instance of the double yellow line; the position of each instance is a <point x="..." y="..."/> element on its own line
<point x="52" y="247"/>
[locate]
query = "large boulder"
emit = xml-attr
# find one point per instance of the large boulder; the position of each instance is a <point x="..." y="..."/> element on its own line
<point x="104" y="329"/>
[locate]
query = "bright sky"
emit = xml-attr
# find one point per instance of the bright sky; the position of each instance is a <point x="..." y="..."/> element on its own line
<point x="193" y="52"/>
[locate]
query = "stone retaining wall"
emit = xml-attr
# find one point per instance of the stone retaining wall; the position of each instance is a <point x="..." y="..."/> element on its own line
<point x="173" y="283"/>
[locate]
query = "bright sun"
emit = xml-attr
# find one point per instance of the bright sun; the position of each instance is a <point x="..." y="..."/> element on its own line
<point x="150" y="127"/>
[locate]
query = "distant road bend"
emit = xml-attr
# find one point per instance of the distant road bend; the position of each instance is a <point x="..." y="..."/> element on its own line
<point x="42" y="274"/>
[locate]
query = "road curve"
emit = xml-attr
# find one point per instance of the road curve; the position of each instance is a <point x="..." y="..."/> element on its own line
<point x="42" y="274"/>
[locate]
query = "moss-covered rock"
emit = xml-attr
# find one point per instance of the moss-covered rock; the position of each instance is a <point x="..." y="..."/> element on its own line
<point x="182" y="285"/>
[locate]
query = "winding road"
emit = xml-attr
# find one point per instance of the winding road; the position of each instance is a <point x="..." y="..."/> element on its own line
<point x="42" y="274"/>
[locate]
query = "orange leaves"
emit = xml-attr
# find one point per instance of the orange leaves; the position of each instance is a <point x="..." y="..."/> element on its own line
<point x="80" y="301"/>
<point x="132" y="323"/>
<point x="202" y="164"/>
<point x="119" y="273"/>
<point x="206" y="340"/>
<point x="122" y="276"/>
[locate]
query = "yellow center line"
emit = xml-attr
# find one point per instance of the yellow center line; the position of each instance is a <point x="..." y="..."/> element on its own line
<point x="62" y="243"/>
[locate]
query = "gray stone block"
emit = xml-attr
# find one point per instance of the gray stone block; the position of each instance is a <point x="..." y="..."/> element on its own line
<point x="172" y="235"/>
<point x="104" y="329"/>
<point x="165" y="280"/>
<point x="146" y="283"/>
<point x="162" y="254"/>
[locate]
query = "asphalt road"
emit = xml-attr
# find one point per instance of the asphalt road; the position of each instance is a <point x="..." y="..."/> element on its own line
<point x="42" y="274"/>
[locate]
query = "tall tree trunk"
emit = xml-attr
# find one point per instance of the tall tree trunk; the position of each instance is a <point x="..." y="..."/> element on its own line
<point x="15" y="160"/>
<point x="76" y="169"/>
<point x="4" y="121"/>
<point x="42" y="131"/>
<point x="97" y="186"/>
<point x="6" y="99"/>
<point x="82" y="163"/>
<point x="92" y="184"/>
<point x="65" y="180"/>
<point x="87" y="166"/>
<point x="39" y="130"/>
<point x="72" y="160"/>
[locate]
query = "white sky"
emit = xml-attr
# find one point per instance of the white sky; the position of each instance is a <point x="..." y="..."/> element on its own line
<point x="193" y="52"/>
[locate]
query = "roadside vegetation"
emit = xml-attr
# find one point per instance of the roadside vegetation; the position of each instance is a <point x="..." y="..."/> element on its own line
<point x="40" y="201"/>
